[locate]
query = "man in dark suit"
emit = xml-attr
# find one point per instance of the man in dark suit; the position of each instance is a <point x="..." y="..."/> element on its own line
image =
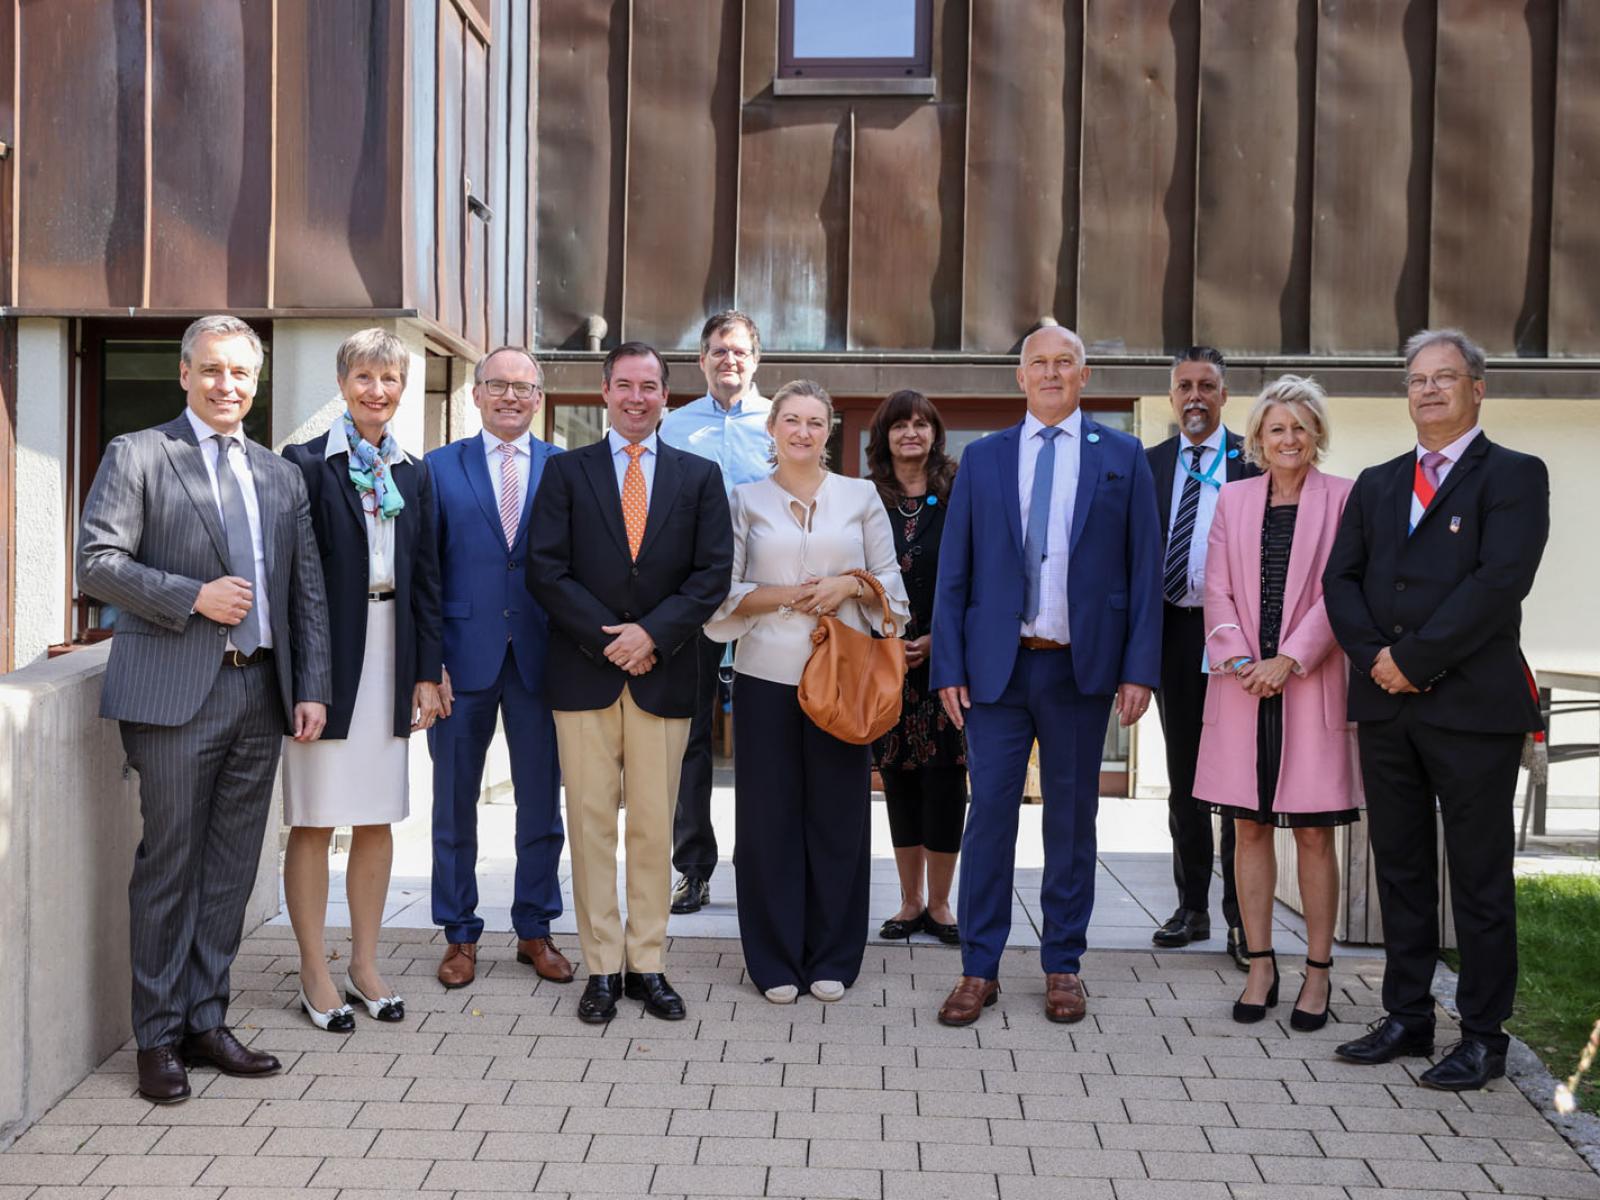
<point x="1190" y="469"/>
<point x="1048" y="607"/>
<point x="495" y="635"/>
<point x="202" y="538"/>
<point x="1424" y="590"/>
<point x="630" y="550"/>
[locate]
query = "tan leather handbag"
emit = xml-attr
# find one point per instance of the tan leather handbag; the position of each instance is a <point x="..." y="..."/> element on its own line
<point x="852" y="683"/>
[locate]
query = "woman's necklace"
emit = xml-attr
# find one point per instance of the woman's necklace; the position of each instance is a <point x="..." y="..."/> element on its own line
<point x="900" y="506"/>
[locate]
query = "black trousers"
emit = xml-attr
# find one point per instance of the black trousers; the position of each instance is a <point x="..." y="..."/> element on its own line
<point x="1181" y="701"/>
<point x="694" y="841"/>
<point x="1405" y="764"/>
<point x="927" y="807"/>
<point x="802" y="809"/>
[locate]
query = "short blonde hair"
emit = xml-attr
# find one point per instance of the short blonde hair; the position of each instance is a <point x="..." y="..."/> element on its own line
<point x="789" y="391"/>
<point x="376" y="346"/>
<point x="1301" y="395"/>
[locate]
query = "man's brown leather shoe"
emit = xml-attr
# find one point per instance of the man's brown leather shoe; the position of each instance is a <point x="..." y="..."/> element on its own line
<point x="460" y="965"/>
<point x="966" y="1003"/>
<point x="541" y="954"/>
<point x="1063" y="998"/>
<point x="220" y="1049"/>
<point x="162" y="1079"/>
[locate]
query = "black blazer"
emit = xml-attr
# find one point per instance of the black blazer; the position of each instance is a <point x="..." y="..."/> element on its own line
<point x="579" y="569"/>
<point x="1447" y="599"/>
<point x="1164" y="465"/>
<point x="341" y="530"/>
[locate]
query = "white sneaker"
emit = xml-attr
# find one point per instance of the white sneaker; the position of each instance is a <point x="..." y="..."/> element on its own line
<point x="783" y="995"/>
<point x="828" y="990"/>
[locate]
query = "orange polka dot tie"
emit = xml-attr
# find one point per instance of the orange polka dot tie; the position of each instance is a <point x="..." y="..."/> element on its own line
<point x="635" y="505"/>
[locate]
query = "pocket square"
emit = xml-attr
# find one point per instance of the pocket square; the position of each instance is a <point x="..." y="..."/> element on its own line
<point x="1110" y="475"/>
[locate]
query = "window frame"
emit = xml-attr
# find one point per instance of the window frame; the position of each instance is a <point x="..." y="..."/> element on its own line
<point x="918" y="67"/>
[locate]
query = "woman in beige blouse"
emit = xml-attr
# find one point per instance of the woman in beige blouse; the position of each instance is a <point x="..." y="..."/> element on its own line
<point x="802" y="798"/>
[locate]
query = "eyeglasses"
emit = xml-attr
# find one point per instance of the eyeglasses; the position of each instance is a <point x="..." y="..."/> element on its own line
<point x="733" y="352"/>
<point x="1442" y="380"/>
<point x="520" y="389"/>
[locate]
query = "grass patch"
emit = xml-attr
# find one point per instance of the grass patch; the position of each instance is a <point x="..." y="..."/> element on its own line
<point x="1558" y="989"/>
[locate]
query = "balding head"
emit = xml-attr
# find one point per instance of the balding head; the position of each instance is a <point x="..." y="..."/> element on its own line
<point x="1052" y="372"/>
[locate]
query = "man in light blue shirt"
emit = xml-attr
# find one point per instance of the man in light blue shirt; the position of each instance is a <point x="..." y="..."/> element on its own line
<point x="729" y="426"/>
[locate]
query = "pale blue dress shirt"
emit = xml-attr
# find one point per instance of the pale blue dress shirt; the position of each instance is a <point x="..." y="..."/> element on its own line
<point x="734" y="438"/>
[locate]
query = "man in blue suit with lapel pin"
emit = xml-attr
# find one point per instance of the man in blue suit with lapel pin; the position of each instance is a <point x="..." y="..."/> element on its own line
<point x="494" y="649"/>
<point x="1048" y="608"/>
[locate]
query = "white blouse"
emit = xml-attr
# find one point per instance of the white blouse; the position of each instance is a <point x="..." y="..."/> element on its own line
<point x="380" y="533"/>
<point x="780" y="541"/>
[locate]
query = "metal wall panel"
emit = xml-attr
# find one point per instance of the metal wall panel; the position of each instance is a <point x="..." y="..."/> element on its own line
<point x="1136" y="255"/>
<point x="449" y="155"/>
<point x="905" y="227"/>
<point x="794" y="223"/>
<point x="498" y="232"/>
<point x="525" y="160"/>
<point x="1493" y="130"/>
<point x="1575" y="231"/>
<point x="683" y="169"/>
<point x="760" y="49"/>
<point x="210" y="229"/>
<point x="1253" y="175"/>
<point x="8" y="175"/>
<point x="421" y="234"/>
<point x="340" y="154"/>
<point x="475" y="166"/>
<point x="1369" y="253"/>
<point x="80" y="154"/>
<point x="583" y="78"/>
<point x="1024" y="117"/>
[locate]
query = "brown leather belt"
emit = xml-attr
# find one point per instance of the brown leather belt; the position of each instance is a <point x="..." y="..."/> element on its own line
<point x="237" y="658"/>
<point x="1038" y="643"/>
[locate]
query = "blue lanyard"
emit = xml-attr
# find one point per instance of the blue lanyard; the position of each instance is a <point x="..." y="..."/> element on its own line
<point x="1216" y="461"/>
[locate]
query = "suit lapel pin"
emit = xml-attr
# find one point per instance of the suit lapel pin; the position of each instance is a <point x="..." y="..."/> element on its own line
<point x="1234" y="453"/>
<point x="1455" y="524"/>
<point x="1093" y="437"/>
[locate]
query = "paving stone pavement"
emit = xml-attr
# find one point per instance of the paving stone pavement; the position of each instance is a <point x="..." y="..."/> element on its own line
<point x="497" y="1088"/>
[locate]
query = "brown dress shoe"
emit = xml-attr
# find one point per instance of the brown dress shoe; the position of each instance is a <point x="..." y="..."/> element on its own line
<point x="220" y="1049"/>
<point x="541" y="954"/>
<point x="966" y="1003"/>
<point x="1063" y="998"/>
<point x="162" y="1079"/>
<point x="460" y="965"/>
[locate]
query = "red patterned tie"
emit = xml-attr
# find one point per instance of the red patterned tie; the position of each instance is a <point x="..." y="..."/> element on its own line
<point x="510" y="501"/>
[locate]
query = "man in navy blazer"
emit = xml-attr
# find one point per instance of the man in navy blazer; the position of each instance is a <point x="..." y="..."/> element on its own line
<point x="1048" y="607"/>
<point x="495" y="636"/>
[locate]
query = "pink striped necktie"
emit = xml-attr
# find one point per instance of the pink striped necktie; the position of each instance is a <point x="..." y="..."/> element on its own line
<point x="510" y="501"/>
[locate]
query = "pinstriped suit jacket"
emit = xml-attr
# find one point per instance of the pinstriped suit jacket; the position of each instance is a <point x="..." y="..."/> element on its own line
<point x="152" y="536"/>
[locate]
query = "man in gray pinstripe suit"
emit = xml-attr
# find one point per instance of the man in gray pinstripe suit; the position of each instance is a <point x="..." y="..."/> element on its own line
<point x="203" y="541"/>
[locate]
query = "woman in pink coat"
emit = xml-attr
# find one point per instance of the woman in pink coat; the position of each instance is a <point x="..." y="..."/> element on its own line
<point x="1276" y="751"/>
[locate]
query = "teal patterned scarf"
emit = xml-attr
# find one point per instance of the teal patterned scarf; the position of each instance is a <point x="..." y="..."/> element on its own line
<point x="369" y="469"/>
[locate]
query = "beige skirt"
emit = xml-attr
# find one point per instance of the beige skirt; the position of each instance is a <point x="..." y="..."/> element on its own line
<point x="360" y="779"/>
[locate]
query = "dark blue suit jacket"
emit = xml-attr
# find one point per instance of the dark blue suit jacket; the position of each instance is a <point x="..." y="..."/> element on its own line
<point x="1113" y="582"/>
<point x="486" y="604"/>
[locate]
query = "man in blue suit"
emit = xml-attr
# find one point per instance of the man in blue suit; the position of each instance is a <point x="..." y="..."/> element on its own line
<point x="494" y="650"/>
<point x="1048" y="608"/>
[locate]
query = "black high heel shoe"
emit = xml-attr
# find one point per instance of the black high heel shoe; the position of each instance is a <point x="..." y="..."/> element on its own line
<point x="1310" y="1022"/>
<point x="1249" y="1014"/>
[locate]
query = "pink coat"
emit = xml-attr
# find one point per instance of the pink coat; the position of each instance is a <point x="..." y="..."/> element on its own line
<point x="1319" y="758"/>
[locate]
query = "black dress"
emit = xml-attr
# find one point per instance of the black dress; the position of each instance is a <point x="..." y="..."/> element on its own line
<point x="1277" y="538"/>
<point x="924" y="736"/>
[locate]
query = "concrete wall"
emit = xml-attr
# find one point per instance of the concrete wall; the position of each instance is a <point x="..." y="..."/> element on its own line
<point x="40" y="602"/>
<point x="69" y="824"/>
<point x="305" y="386"/>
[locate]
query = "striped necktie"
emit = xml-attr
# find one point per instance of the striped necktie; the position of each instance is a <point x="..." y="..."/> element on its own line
<point x="510" y="500"/>
<point x="1175" y="578"/>
<point x="1425" y="482"/>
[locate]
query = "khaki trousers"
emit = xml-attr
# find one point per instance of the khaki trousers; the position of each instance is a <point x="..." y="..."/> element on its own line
<point x="609" y="754"/>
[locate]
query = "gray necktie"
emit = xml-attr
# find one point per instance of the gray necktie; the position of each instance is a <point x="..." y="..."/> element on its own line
<point x="241" y="550"/>
<point x="1036" y="540"/>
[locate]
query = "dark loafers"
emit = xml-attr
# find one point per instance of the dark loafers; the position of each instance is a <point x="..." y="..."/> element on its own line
<point x="1182" y="927"/>
<point x="1466" y="1067"/>
<point x="598" y="1004"/>
<point x="659" y="998"/>
<point x="690" y="894"/>
<point x="894" y="929"/>
<point x="1387" y="1039"/>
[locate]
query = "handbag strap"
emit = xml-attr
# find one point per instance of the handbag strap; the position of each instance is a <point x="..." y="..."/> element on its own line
<point x="871" y="580"/>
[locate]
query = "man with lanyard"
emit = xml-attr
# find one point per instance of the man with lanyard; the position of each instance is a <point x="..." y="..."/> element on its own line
<point x="1190" y="469"/>
<point x="728" y="425"/>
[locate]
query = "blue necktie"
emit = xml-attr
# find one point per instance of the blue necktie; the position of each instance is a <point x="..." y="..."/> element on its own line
<point x="1036" y="540"/>
<point x="241" y="547"/>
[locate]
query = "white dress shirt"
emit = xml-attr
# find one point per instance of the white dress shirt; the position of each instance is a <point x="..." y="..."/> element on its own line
<point x="1195" y="596"/>
<point x="1452" y="455"/>
<point x="1051" y="621"/>
<point x="239" y="463"/>
<point x="620" y="460"/>
<point x="521" y="458"/>
<point x="844" y="528"/>
<point x="380" y="533"/>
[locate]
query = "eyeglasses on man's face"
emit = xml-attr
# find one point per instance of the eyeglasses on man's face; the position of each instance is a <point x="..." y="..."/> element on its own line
<point x="737" y="353"/>
<point x="1441" y="380"/>
<point x="521" y="389"/>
